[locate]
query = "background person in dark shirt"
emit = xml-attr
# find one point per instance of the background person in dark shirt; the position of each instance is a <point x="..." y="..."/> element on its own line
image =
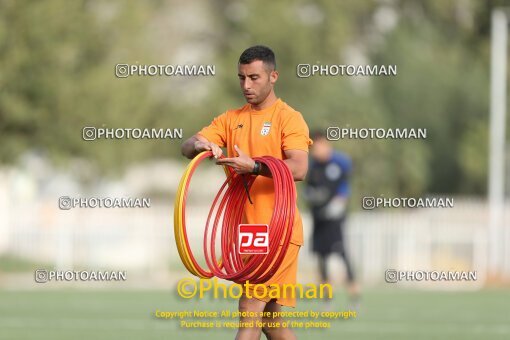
<point x="328" y="191"/>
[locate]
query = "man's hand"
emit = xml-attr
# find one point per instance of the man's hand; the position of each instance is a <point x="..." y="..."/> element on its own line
<point x="243" y="164"/>
<point x="206" y="146"/>
<point x="335" y="209"/>
<point x="196" y="144"/>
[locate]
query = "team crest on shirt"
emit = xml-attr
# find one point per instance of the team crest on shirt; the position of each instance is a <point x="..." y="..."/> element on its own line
<point x="265" y="128"/>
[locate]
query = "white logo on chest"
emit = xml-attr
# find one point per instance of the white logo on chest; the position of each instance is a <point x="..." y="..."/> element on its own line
<point x="265" y="128"/>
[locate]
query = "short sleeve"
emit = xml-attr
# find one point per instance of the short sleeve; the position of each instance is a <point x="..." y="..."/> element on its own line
<point x="216" y="132"/>
<point x="295" y="133"/>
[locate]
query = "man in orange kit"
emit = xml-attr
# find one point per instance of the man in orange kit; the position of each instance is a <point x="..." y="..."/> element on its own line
<point x="265" y="126"/>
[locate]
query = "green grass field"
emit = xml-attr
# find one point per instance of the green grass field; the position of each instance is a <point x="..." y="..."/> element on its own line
<point x="384" y="314"/>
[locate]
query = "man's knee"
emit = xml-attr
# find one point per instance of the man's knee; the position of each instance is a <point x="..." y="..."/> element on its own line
<point x="244" y="305"/>
<point x="251" y="305"/>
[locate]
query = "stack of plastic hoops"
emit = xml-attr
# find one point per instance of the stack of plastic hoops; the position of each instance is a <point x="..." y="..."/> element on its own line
<point x="226" y="214"/>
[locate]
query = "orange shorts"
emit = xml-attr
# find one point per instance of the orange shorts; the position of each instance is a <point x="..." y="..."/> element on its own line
<point x="286" y="274"/>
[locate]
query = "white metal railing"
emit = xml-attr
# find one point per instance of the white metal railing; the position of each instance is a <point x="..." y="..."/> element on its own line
<point x="142" y="239"/>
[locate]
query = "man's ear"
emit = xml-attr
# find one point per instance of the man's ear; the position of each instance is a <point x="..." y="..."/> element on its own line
<point x="273" y="77"/>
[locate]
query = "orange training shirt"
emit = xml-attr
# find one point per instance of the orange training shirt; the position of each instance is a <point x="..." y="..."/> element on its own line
<point x="267" y="132"/>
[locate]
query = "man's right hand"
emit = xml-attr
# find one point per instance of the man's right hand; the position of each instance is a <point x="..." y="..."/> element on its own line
<point x="208" y="146"/>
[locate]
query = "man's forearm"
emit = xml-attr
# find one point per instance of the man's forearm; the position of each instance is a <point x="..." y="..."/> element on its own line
<point x="188" y="148"/>
<point x="297" y="169"/>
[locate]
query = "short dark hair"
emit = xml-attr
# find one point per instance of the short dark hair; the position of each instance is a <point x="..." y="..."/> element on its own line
<point x="258" y="52"/>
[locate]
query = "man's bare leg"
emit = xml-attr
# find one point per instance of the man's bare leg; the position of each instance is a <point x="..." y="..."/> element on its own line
<point x="250" y="305"/>
<point x="273" y="333"/>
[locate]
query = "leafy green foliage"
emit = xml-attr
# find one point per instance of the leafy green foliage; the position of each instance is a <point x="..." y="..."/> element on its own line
<point x="57" y="63"/>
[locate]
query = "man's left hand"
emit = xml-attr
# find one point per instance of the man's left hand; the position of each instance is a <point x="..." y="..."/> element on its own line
<point x="335" y="209"/>
<point x="243" y="164"/>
